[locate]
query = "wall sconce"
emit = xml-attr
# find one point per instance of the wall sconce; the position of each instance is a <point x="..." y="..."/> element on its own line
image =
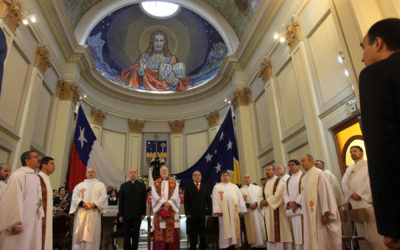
<point x="279" y="37"/>
<point x="341" y="57"/>
<point x="29" y="19"/>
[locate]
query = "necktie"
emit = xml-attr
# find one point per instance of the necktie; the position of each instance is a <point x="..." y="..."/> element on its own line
<point x="197" y="186"/>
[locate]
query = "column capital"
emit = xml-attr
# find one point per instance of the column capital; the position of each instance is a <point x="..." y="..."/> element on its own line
<point x="42" y="60"/>
<point x="11" y="12"/>
<point x="241" y="97"/>
<point x="265" y="71"/>
<point x="67" y="91"/>
<point x="212" y="119"/>
<point x="176" y="126"/>
<point x="293" y="33"/>
<point x="98" y="116"/>
<point x="135" y="126"/>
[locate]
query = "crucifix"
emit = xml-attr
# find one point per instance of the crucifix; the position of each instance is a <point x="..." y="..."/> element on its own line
<point x="156" y="163"/>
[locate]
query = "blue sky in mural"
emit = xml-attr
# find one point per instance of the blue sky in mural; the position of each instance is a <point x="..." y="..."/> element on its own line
<point x="120" y="42"/>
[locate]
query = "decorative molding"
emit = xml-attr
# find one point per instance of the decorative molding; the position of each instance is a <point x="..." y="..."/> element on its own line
<point x="11" y="12"/>
<point x="42" y="60"/>
<point x="177" y="126"/>
<point x="67" y="91"/>
<point x="212" y="119"/>
<point x="135" y="126"/>
<point x="98" y="116"/>
<point x="241" y="97"/>
<point x="265" y="71"/>
<point x="293" y="33"/>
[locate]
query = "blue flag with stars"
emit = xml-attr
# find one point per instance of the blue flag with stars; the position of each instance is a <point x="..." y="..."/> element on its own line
<point x="220" y="156"/>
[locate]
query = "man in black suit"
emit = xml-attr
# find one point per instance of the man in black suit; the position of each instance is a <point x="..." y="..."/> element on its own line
<point x="380" y="122"/>
<point x="132" y="208"/>
<point x="197" y="201"/>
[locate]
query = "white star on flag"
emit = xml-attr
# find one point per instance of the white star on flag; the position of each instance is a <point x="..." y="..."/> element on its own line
<point x="81" y="137"/>
<point x="229" y="145"/>
<point x="208" y="157"/>
<point x="218" y="168"/>
<point x="215" y="152"/>
<point x="221" y="137"/>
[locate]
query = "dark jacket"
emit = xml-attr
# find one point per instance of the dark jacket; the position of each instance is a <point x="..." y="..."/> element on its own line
<point x="380" y="123"/>
<point x="132" y="200"/>
<point x="197" y="203"/>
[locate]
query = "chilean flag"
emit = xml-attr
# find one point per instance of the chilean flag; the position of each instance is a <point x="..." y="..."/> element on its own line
<point x="87" y="152"/>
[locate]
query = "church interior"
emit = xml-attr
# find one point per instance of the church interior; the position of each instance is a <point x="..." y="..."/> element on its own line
<point x="288" y="70"/>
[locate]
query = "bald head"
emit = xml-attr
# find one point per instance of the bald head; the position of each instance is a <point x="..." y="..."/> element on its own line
<point x="164" y="172"/>
<point x="307" y="161"/>
<point x="90" y="173"/>
<point x="246" y="179"/>
<point x="280" y="170"/>
<point x="133" y="174"/>
<point x="4" y="171"/>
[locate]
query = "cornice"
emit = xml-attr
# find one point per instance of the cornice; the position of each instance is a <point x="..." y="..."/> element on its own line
<point x="257" y="28"/>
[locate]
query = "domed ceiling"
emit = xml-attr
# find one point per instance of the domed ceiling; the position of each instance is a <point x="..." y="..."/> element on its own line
<point x="143" y="53"/>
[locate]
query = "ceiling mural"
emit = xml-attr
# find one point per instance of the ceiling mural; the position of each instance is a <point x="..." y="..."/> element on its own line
<point x="139" y="52"/>
<point x="237" y="12"/>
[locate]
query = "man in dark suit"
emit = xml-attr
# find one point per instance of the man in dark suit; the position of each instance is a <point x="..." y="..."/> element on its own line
<point x="380" y="122"/>
<point x="132" y="208"/>
<point x="197" y="201"/>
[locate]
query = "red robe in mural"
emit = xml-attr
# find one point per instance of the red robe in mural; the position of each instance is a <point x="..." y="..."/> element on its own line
<point x="150" y="78"/>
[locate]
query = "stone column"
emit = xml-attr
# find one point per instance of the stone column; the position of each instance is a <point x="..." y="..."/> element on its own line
<point x="213" y="119"/>
<point x="135" y="146"/>
<point x="68" y="96"/>
<point x="31" y="103"/>
<point x="244" y="131"/>
<point x="176" y="129"/>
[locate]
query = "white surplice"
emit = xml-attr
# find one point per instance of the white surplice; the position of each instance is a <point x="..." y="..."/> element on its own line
<point x="356" y="180"/>
<point x="3" y="186"/>
<point x="254" y="221"/>
<point x="317" y="199"/>
<point x="275" y="203"/>
<point x="337" y="188"/>
<point x="87" y="223"/>
<point x="292" y="194"/>
<point x="48" y="245"/>
<point x="228" y="200"/>
<point x="158" y="201"/>
<point x="22" y="206"/>
<point x="285" y="177"/>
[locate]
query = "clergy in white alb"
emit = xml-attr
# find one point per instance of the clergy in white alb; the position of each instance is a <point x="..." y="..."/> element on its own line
<point x="166" y="203"/>
<point x="4" y="173"/>
<point x="21" y="207"/>
<point x="292" y="203"/>
<point x="322" y="227"/>
<point x="47" y="167"/>
<point x="253" y="219"/>
<point x="279" y="235"/>
<point x="281" y="172"/>
<point x="89" y="200"/>
<point x="357" y="191"/>
<point x="337" y="188"/>
<point x="228" y="204"/>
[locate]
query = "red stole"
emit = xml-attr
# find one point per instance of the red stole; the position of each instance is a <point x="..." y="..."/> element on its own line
<point x="170" y="221"/>
<point x="44" y="204"/>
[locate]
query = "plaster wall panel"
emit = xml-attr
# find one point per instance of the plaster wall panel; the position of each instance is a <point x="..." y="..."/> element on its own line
<point x="297" y="153"/>
<point x="196" y="124"/>
<point x="288" y="98"/>
<point x="4" y="155"/>
<point x="135" y="151"/>
<point x="13" y="87"/>
<point x="42" y="117"/>
<point x="367" y="12"/>
<point x="116" y="123"/>
<point x="325" y="47"/>
<point x="196" y="145"/>
<point x="114" y="146"/>
<point x="263" y="126"/>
